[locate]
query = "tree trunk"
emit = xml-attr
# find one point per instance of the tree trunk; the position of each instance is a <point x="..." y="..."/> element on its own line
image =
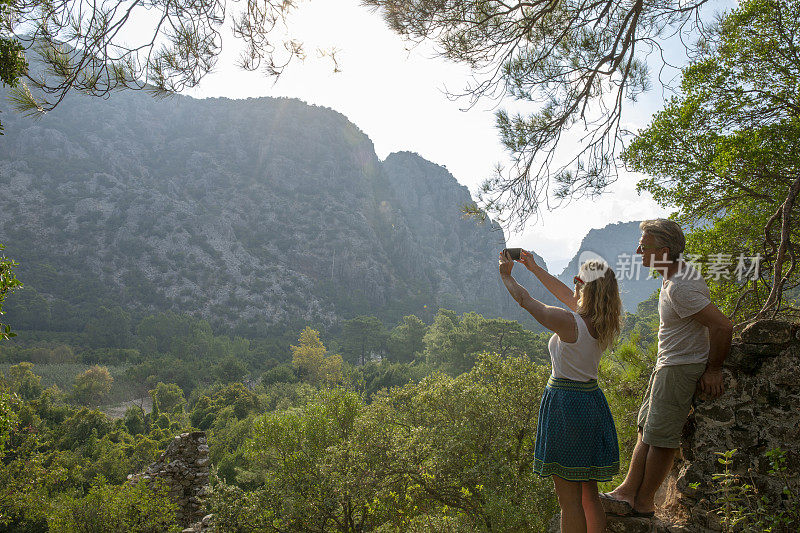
<point x="778" y="279"/>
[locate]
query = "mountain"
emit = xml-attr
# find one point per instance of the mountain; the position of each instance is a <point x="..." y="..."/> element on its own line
<point x="616" y="244"/>
<point x="249" y="213"/>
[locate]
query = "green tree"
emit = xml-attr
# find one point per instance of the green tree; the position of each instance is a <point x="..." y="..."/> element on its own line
<point x="362" y="336"/>
<point x="465" y="445"/>
<point x="235" y="398"/>
<point x="78" y="428"/>
<point x="444" y="450"/>
<point x="134" y="420"/>
<point x="8" y="419"/>
<point x="27" y="478"/>
<point x="92" y="386"/>
<point x="230" y="369"/>
<point x="310" y="361"/>
<point x="291" y="448"/>
<point x="176" y="334"/>
<point x="131" y="507"/>
<point x="113" y="49"/>
<point x="726" y="152"/>
<point x="167" y="398"/>
<point x="577" y="62"/>
<point x="279" y="374"/>
<point x="28" y="309"/>
<point x="455" y="342"/>
<point x="21" y="380"/>
<point x="12" y="58"/>
<point x="404" y="343"/>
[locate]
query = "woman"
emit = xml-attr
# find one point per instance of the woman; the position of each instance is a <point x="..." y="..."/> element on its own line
<point x="576" y="441"/>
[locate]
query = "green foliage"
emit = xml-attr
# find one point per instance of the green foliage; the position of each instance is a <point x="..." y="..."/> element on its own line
<point x="405" y="343"/>
<point x="373" y="377"/>
<point x="725" y="152"/>
<point x="8" y="419"/>
<point x="167" y="398"/>
<point x="449" y="451"/>
<point x="134" y="420"/>
<point x="12" y="54"/>
<point x="454" y="342"/>
<point x="289" y="448"/>
<point x="177" y="334"/>
<point x="26" y="480"/>
<point x="362" y="337"/>
<point x="399" y="447"/>
<point x="8" y="280"/>
<point x="311" y="363"/>
<point x="229" y="369"/>
<point x="92" y="386"/>
<point x="28" y="309"/>
<point x="130" y="507"/>
<point x="471" y="440"/>
<point x="741" y="508"/>
<point x="279" y="374"/>
<point x="21" y="380"/>
<point x="111" y="328"/>
<point x="235" y="397"/>
<point x="82" y="426"/>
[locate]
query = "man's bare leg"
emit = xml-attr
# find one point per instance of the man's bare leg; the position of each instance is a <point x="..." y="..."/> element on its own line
<point x="659" y="463"/>
<point x="628" y="489"/>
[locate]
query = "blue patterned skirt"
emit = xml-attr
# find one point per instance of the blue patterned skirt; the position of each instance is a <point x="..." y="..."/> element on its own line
<point x="575" y="437"/>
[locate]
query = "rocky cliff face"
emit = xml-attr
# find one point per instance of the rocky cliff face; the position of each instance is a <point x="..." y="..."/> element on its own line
<point x="251" y="212"/>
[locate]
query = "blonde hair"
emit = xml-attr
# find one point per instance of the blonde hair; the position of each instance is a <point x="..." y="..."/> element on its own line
<point x="666" y="233"/>
<point x="598" y="300"/>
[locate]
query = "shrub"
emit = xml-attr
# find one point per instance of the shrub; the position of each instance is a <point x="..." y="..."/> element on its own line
<point x="134" y="508"/>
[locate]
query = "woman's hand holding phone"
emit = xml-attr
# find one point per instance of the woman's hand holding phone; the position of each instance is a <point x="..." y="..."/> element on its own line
<point x="526" y="258"/>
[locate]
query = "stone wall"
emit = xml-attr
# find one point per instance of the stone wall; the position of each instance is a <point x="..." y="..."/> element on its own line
<point x="184" y="468"/>
<point x="758" y="412"/>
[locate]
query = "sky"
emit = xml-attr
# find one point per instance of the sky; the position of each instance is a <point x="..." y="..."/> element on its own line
<point x="395" y="93"/>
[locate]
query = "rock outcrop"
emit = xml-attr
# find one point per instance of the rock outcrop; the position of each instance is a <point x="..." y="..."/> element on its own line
<point x="184" y="468"/>
<point x="757" y="413"/>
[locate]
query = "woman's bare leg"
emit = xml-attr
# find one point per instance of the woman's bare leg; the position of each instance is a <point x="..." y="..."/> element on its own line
<point x="569" y="499"/>
<point x="592" y="508"/>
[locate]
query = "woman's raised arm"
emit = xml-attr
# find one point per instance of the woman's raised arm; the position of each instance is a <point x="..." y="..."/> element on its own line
<point x="553" y="318"/>
<point x="550" y="282"/>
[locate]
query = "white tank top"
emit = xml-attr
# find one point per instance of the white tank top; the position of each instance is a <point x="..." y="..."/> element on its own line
<point x="577" y="360"/>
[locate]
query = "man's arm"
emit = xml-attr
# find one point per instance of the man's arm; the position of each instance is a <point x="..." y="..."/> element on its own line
<point x="720" y="332"/>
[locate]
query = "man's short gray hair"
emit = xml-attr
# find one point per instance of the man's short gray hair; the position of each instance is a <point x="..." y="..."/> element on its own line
<point x="666" y="233"/>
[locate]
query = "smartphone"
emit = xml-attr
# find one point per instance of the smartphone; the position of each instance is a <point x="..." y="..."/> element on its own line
<point x="513" y="253"/>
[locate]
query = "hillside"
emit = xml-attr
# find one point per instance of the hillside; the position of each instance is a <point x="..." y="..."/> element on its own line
<point x="248" y="213"/>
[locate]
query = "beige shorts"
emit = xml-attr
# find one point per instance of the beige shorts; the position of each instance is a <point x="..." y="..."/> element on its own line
<point x="666" y="403"/>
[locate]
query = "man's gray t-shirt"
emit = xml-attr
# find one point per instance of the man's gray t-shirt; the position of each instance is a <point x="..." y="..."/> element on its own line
<point x="682" y="340"/>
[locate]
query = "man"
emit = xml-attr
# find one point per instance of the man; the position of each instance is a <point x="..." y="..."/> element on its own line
<point x="694" y="337"/>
